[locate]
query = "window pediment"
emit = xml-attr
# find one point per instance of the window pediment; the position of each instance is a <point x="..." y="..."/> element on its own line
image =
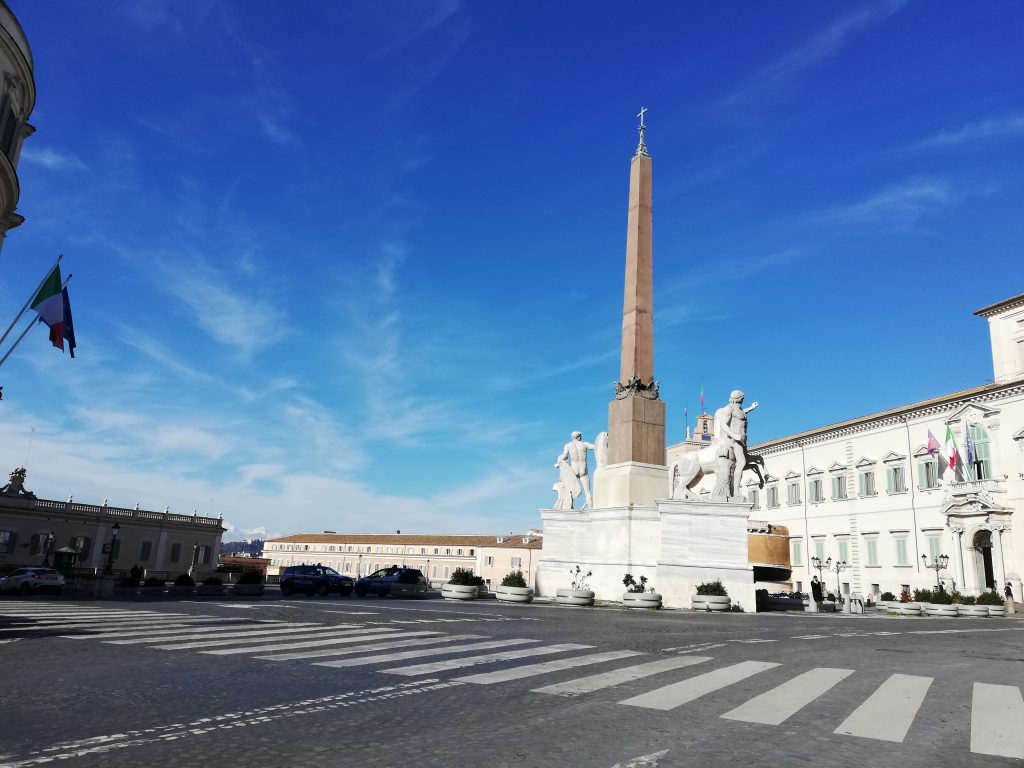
<point x="791" y="475"/>
<point x="892" y="457"/>
<point x="814" y="471"/>
<point x="770" y="478"/>
<point x="865" y="463"/>
<point x="1018" y="435"/>
<point x="971" y="412"/>
<point x="835" y="466"/>
<point x="922" y="453"/>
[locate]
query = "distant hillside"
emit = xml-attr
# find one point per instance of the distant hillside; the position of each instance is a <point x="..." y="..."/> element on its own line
<point x="253" y="547"/>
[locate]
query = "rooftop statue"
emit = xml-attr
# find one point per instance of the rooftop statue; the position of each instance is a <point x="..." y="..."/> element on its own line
<point x="16" y="486"/>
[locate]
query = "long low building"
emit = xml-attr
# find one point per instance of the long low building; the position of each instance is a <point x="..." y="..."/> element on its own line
<point x="896" y="493"/>
<point x="436" y="555"/>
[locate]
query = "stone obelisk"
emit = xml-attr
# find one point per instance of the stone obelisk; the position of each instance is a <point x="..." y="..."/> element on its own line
<point x="636" y="472"/>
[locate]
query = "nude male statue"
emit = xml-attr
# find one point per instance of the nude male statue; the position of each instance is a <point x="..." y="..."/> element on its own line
<point x="576" y="452"/>
<point x="731" y="432"/>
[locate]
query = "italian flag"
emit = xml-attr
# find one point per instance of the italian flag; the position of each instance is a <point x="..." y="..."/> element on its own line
<point x="950" y="448"/>
<point x="49" y="305"/>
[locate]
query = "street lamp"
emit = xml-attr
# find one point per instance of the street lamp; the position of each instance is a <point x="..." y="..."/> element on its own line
<point x="819" y="566"/>
<point x="939" y="563"/>
<point x="108" y="570"/>
<point x="195" y="553"/>
<point x="839" y="566"/>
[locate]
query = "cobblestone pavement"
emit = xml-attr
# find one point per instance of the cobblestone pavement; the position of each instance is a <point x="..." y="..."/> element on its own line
<point x="343" y="681"/>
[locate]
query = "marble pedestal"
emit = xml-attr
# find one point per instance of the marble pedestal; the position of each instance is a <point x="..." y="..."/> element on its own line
<point x="675" y="544"/>
<point x="630" y="483"/>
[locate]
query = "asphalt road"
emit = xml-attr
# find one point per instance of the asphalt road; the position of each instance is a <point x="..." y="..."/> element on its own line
<point x="351" y="682"/>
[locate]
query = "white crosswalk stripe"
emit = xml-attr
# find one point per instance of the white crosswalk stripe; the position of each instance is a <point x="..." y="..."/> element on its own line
<point x="114" y="626"/>
<point x="187" y="634"/>
<point x="276" y="636"/>
<point x="386" y="646"/>
<point x="997" y="720"/>
<point x="531" y="670"/>
<point x="889" y="711"/>
<point x="593" y="683"/>
<point x="389" y="657"/>
<point x="677" y="694"/>
<point x="780" y="703"/>
<point x="434" y="667"/>
<point x="353" y="637"/>
<point x="159" y="631"/>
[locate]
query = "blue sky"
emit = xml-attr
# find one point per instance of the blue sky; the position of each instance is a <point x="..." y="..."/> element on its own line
<point x="359" y="266"/>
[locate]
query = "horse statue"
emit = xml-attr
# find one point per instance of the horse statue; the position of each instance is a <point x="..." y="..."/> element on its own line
<point x="717" y="460"/>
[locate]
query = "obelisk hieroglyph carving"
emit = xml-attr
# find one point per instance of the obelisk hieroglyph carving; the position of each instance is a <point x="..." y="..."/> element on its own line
<point x="636" y="417"/>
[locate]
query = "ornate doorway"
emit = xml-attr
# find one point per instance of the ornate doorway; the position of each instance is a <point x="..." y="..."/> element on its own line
<point x="982" y="545"/>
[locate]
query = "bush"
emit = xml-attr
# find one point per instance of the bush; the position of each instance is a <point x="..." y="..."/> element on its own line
<point x="714" y="588"/>
<point x="514" y="579"/>
<point x="184" y="580"/>
<point x="968" y="600"/>
<point x="632" y="585"/>
<point x="250" y="577"/>
<point x="213" y="581"/>
<point x="989" y="598"/>
<point x="579" y="579"/>
<point x="923" y="596"/>
<point x="153" y="582"/>
<point x="887" y="596"/>
<point x="941" y="598"/>
<point x="466" y="578"/>
<point x="904" y="596"/>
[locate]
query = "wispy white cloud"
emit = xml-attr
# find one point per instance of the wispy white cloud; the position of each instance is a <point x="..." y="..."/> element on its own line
<point x="234" y="317"/>
<point x="900" y="206"/>
<point x="994" y="128"/>
<point x="52" y="159"/>
<point x="779" y="82"/>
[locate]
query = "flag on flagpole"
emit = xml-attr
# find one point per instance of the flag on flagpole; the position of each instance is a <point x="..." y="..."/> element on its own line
<point x="933" y="444"/>
<point x="970" y="448"/>
<point x="69" y="324"/>
<point x="950" y="447"/>
<point x="49" y="305"/>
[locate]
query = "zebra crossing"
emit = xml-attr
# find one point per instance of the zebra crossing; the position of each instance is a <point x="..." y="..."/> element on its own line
<point x="887" y="714"/>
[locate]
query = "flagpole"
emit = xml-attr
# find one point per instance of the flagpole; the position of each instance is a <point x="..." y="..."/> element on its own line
<point x="29" y="326"/>
<point x="14" y="322"/>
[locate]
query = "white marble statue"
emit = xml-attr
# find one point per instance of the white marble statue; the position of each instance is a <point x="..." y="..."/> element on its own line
<point x="575" y="453"/>
<point x="726" y="457"/>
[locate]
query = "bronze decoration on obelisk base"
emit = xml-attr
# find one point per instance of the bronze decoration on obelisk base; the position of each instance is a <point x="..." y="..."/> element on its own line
<point x="636" y="417"/>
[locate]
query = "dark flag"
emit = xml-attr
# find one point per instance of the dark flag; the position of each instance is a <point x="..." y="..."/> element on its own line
<point x="69" y="325"/>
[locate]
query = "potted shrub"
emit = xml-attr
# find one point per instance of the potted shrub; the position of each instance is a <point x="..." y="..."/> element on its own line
<point x="711" y="596"/>
<point x="211" y="586"/>
<point x="513" y="589"/>
<point x="906" y="605"/>
<point x="249" y="584"/>
<point x="941" y="604"/>
<point x="462" y="585"/>
<point x="638" y="594"/>
<point x="992" y="602"/>
<point x="969" y="607"/>
<point x="578" y="594"/>
<point x="886" y="601"/>
<point x="183" y="585"/>
<point x="152" y="587"/>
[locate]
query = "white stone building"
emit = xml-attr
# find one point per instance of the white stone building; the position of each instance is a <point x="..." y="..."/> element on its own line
<point x="868" y="491"/>
<point x="17" y="99"/>
<point x="436" y="555"/>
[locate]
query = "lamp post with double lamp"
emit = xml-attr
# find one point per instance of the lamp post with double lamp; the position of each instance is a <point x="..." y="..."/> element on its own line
<point x="838" y="566"/>
<point x="818" y="565"/>
<point x="938" y="564"/>
<point x="195" y="553"/>
<point x="108" y="570"/>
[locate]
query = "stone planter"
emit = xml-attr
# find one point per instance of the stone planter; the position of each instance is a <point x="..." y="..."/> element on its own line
<point x="711" y="603"/>
<point x="884" y="606"/>
<point x="151" y="591"/>
<point x="638" y="600"/>
<point x="126" y="593"/>
<point x="973" y="611"/>
<point x="574" y="597"/>
<point x="938" y="609"/>
<point x="246" y="590"/>
<point x="211" y="589"/>
<point x="514" y="594"/>
<point x="181" y="591"/>
<point x="908" y="609"/>
<point x="996" y="610"/>
<point x="459" y="592"/>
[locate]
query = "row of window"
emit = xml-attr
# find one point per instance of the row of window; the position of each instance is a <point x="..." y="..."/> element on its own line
<point x="358" y="548"/>
<point x="870" y="541"/>
<point x="83" y="546"/>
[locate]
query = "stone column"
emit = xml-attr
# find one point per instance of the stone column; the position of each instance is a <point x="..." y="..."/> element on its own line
<point x="998" y="568"/>
<point x="958" y="557"/>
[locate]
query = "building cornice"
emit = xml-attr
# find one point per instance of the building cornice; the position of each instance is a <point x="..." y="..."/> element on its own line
<point x="892" y="417"/>
<point x="1002" y="306"/>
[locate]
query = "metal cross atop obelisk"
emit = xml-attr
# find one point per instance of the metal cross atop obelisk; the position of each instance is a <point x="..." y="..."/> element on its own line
<point x="641" y="147"/>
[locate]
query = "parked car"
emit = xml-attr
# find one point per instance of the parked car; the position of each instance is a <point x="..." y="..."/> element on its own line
<point x="32" y="580"/>
<point x="396" y="580"/>
<point x="315" y="580"/>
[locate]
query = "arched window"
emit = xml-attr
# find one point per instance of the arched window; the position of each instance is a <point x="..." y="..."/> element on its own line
<point x="981" y="459"/>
